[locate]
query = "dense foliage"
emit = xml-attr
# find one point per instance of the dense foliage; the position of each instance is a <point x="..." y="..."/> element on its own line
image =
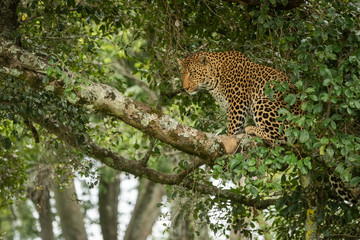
<point x="133" y="46"/>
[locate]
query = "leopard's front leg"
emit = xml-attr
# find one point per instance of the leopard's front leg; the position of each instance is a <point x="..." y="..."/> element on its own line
<point x="236" y="116"/>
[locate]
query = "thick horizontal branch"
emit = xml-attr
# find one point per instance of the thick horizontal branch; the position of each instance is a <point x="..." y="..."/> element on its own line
<point x="102" y="98"/>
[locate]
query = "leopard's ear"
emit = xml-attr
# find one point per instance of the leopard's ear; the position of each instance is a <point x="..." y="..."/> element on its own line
<point x="203" y="60"/>
<point x="179" y="62"/>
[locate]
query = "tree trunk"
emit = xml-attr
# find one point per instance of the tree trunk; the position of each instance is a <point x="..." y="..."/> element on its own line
<point x="109" y="190"/>
<point x="311" y="223"/>
<point x="183" y="226"/>
<point x="45" y="217"/>
<point x="71" y="217"/>
<point x="40" y="196"/>
<point x="146" y="211"/>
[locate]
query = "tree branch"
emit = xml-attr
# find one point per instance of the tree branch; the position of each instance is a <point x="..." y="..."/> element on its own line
<point x="146" y="158"/>
<point x="107" y="100"/>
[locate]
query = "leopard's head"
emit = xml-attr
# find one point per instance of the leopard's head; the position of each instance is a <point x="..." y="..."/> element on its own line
<point x="194" y="72"/>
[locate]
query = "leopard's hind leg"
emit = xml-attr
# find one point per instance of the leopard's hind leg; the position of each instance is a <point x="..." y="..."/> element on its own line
<point x="265" y="112"/>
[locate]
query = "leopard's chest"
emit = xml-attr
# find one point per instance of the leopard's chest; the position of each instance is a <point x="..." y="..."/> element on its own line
<point x="220" y="98"/>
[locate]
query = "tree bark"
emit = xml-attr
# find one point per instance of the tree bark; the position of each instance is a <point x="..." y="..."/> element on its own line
<point x="109" y="190"/>
<point x="71" y="217"/>
<point x="45" y="218"/>
<point x="146" y="210"/>
<point x="40" y="196"/>
<point x="311" y="223"/>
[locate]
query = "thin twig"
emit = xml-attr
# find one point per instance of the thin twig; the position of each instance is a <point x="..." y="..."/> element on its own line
<point x="146" y="158"/>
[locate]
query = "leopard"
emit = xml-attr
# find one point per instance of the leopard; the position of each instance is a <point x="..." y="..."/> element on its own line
<point x="239" y="87"/>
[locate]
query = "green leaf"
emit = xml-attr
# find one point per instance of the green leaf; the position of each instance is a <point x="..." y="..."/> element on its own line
<point x="300" y="164"/>
<point x="304" y="136"/>
<point x="290" y="98"/>
<point x="235" y="162"/>
<point x="324" y="141"/>
<point x="66" y="79"/>
<point x="318" y="108"/>
<point x="270" y="93"/>
<point x="354" y="181"/>
<point x="327" y="82"/>
<point x="261" y="19"/>
<point x="327" y="121"/>
<point x="254" y="191"/>
<point x="49" y="71"/>
<point x="324" y="97"/>
<point x="58" y="71"/>
<point x="325" y="72"/>
<point x="251" y="169"/>
<point x="307" y="163"/>
<point x="277" y="186"/>
<point x="290" y="159"/>
<point x="273" y="2"/>
<point x="331" y="56"/>
<point x="303" y="170"/>
<point x="310" y="90"/>
<point x="352" y="59"/>
<point x="251" y="162"/>
<point x="330" y="152"/>
<point x="313" y="97"/>
<point x="322" y="149"/>
<point x="262" y="169"/>
<point x="333" y="125"/>
<point x="218" y="168"/>
<point x="346" y="174"/>
<point x="340" y="168"/>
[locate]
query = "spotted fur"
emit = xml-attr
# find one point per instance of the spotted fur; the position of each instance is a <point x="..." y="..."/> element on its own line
<point x="339" y="188"/>
<point x="238" y="86"/>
